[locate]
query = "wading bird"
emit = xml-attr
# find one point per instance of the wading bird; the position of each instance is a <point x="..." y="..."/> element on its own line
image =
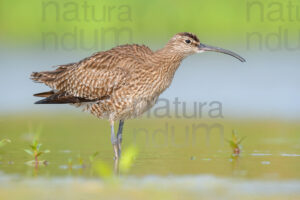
<point x="120" y="83"/>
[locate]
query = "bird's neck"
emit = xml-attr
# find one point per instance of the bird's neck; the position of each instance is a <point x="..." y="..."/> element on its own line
<point x="167" y="60"/>
<point x="165" y="63"/>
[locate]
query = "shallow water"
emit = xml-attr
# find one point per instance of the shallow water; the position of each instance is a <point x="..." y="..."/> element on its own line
<point x="170" y="162"/>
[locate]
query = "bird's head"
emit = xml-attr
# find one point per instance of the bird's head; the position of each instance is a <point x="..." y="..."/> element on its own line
<point x="188" y="43"/>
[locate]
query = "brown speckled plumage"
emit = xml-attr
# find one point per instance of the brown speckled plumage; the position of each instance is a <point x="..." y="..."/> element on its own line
<point x="120" y="83"/>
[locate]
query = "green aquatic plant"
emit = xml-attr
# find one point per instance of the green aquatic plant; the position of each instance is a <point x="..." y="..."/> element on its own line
<point x="4" y="141"/>
<point x="35" y="151"/>
<point x="235" y="143"/>
<point x="93" y="156"/>
<point x="80" y="161"/>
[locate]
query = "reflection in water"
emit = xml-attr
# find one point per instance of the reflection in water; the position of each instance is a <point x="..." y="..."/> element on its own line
<point x="235" y="165"/>
<point x="116" y="167"/>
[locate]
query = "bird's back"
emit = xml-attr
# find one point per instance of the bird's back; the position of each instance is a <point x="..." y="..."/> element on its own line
<point x="95" y="76"/>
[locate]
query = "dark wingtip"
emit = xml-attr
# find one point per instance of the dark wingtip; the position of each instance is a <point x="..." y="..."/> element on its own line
<point x="43" y="101"/>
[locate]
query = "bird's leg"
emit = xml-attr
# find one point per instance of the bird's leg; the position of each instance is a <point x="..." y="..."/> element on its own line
<point x="116" y="167"/>
<point x="119" y="135"/>
<point x="114" y="140"/>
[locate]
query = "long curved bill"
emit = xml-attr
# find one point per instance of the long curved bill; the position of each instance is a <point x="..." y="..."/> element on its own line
<point x="204" y="47"/>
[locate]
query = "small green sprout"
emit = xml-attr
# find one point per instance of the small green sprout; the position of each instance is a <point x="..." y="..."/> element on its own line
<point x="93" y="156"/>
<point x="5" y="141"/>
<point x="80" y="160"/>
<point x="36" y="152"/>
<point x="235" y="143"/>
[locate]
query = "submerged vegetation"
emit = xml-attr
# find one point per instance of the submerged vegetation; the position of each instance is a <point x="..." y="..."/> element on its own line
<point x="235" y="143"/>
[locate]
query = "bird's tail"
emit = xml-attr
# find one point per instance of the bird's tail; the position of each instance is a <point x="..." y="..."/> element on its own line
<point x="48" y="77"/>
<point x="45" y="77"/>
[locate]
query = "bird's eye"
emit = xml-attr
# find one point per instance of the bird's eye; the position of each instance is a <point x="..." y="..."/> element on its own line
<point x="187" y="41"/>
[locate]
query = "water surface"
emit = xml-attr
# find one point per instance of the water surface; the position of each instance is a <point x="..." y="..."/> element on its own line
<point x="170" y="158"/>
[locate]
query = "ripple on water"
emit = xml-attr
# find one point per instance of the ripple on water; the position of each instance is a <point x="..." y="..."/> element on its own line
<point x="65" y="151"/>
<point x="290" y="155"/>
<point x="265" y="162"/>
<point x="260" y="154"/>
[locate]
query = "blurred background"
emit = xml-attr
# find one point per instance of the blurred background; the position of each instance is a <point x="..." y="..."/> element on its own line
<point x="260" y="98"/>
